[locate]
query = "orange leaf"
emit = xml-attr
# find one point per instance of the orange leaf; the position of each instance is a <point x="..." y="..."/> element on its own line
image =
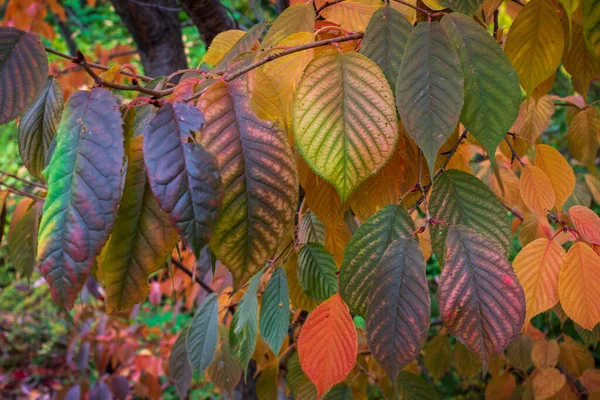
<point x="536" y="190"/>
<point x="537" y="266"/>
<point x="328" y="344"/>
<point x="579" y="285"/>
<point x="547" y="383"/>
<point x="587" y="223"/>
<point x="544" y="353"/>
<point x="561" y="175"/>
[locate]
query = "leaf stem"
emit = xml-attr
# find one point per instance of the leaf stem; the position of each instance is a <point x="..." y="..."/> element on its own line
<point x="19" y="192"/>
<point x="424" y="11"/>
<point x="28" y="182"/>
<point x="515" y="156"/>
<point x="189" y="273"/>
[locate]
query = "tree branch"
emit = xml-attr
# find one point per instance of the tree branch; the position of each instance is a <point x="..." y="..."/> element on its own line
<point x="189" y="273"/>
<point x="19" y="192"/>
<point x="28" y="182"/>
<point x="515" y="156"/>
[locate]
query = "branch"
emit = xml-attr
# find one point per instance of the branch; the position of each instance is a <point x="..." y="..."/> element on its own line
<point x="30" y="183"/>
<point x="19" y="192"/>
<point x="514" y="212"/>
<point x="327" y="4"/>
<point x="428" y="13"/>
<point x="191" y="275"/>
<point x="514" y="153"/>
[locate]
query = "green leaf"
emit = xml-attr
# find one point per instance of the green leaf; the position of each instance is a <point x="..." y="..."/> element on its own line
<point x="460" y="198"/>
<point x="85" y="181"/>
<point x="225" y="371"/>
<point x="339" y="392"/>
<point x="385" y="39"/>
<point x="275" y="311"/>
<point x="519" y="352"/>
<point x="480" y="299"/>
<point x="429" y="90"/>
<point x="365" y="249"/>
<point x="399" y="307"/>
<point x="467" y="7"/>
<point x="317" y="272"/>
<point x="180" y="370"/>
<point x="203" y="333"/>
<point x="22" y="236"/>
<point x="296" y="18"/>
<point x="414" y="387"/>
<point x="299" y="384"/>
<point x="142" y="237"/>
<point x="184" y="177"/>
<point x="38" y="126"/>
<point x="311" y="229"/>
<point x="591" y="26"/>
<point x="260" y="180"/>
<point x="23" y="71"/>
<point x="344" y="121"/>
<point x="438" y="356"/>
<point x="492" y="89"/>
<point x="146" y="112"/>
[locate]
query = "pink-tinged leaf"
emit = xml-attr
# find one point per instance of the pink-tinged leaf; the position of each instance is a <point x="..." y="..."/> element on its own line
<point x="587" y="223"/>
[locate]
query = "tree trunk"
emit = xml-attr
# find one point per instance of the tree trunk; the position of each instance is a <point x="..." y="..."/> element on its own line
<point x="209" y="16"/>
<point x="156" y="30"/>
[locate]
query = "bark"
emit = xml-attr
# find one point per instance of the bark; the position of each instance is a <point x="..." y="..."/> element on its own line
<point x="156" y="30"/>
<point x="209" y="16"/>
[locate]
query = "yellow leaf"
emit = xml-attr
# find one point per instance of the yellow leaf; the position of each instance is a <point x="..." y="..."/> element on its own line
<point x="591" y="22"/>
<point x="583" y="135"/>
<point x="265" y="100"/>
<point x="266" y="384"/>
<point x="438" y="356"/>
<point x="353" y="15"/>
<point x="574" y="357"/>
<point x="500" y="387"/>
<point x="299" y="299"/>
<point x="409" y="12"/>
<point x="579" y="285"/>
<point x="558" y="170"/>
<point x="111" y="74"/>
<point x="535" y="43"/>
<point x="587" y="223"/>
<point x="544" y="353"/>
<point x="543" y="88"/>
<point x="536" y="190"/>
<point x="537" y="266"/>
<point x="579" y="62"/>
<point x="570" y="6"/>
<point x="297" y="18"/>
<point x="336" y="239"/>
<point x="434" y="4"/>
<point x="594" y="185"/>
<point x="221" y="44"/>
<point x="547" y="383"/>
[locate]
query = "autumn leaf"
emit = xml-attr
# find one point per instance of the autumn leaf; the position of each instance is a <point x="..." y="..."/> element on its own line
<point x="561" y="175"/>
<point x="353" y="15"/>
<point x="547" y="383"/>
<point x="536" y="190"/>
<point x="587" y="223"/>
<point x="582" y="135"/>
<point x="294" y="19"/>
<point x="544" y="353"/>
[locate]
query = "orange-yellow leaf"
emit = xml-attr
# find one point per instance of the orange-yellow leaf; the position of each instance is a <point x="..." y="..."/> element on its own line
<point x="583" y="135"/>
<point x="328" y="344"/>
<point x="547" y="383"/>
<point x="587" y="223"/>
<point x="579" y="62"/>
<point x="544" y="353"/>
<point x="221" y="44"/>
<point x="574" y="357"/>
<point x="336" y="239"/>
<point x="561" y="175"/>
<point x="591" y="380"/>
<point x="534" y="227"/>
<point x="536" y="190"/>
<point x="537" y="266"/>
<point x="579" y="285"/>
<point x="594" y="185"/>
<point x="500" y="387"/>
<point x="353" y="15"/>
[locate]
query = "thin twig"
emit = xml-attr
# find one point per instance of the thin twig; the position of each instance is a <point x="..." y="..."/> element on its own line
<point x="515" y="156"/>
<point x="327" y="4"/>
<point x="514" y="212"/>
<point x="19" y="192"/>
<point x="189" y="273"/>
<point x="414" y="7"/>
<point x="519" y="2"/>
<point x="28" y="182"/>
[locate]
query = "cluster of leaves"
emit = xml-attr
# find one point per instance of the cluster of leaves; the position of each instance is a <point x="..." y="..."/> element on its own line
<point x="379" y="130"/>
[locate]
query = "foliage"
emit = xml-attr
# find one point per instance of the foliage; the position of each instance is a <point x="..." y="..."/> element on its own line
<point x="332" y="197"/>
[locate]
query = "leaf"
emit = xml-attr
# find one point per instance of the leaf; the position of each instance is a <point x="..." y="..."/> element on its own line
<point x="492" y="91"/>
<point x="339" y="392"/>
<point x="300" y="386"/>
<point x="537" y="266"/>
<point x="141" y="239"/>
<point x="221" y="44"/>
<point x="555" y="167"/>
<point x="203" y="333"/>
<point x="466" y="361"/>
<point x="352" y="15"/>
<point x="350" y="132"/>
<point x="591" y="21"/>
<point x="385" y="40"/>
<point x="268" y="380"/>
<point x="536" y="190"/>
<point x="579" y="285"/>
<point x="479" y="296"/>
<point x="590" y="379"/>
<point x="3" y="199"/>
<point x="535" y="43"/>
<point x="365" y="249"/>
<point x="180" y="370"/>
<point x="399" y="307"/>
<point x="415" y="387"/>
<point x="519" y="352"/>
<point x="590" y="338"/>
<point x="225" y="370"/>
<point x="22" y="236"/>
<point x="580" y="197"/>
<point x="336" y="240"/>
<point x="296" y="18"/>
<point x="275" y="311"/>
<point x="317" y="272"/>
<point x="544" y="353"/>
<point x="38" y="126"/>
<point x="328" y="344"/>
<point x="587" y="223"/>
<point x="500" y="387"/>
<point x="460" y="198"/>
<point x="429" y="90"/>
<point x="574" y="357"/>
<point x="593" y="184"/>
<point x="311" y="229"/>
<point x="547" y="383"/>
<point x="298" y="298"/>
<point x="578" y="61"/>
<point x="79" y="212"/>
<point x="183" y="175"/>
<point x="467" y="7"/>
<point x="438" y="356"/>
<point x="23" y="71"/>
<point x="243" y="45"/>
<point x="583" y="135"/>
<point x="260" y="200"/>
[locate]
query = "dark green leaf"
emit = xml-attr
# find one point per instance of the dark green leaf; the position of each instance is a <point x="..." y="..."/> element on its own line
<point x="317" y="272"/>
<point x="415" y="387"/>
<point x="225" y="371"/>
<point x="275" y="311"/>
<point x="311" y="229"/>
<point x="339" y="392"/>
<point x="202" y="336"/>
<point x="467" y="7"/>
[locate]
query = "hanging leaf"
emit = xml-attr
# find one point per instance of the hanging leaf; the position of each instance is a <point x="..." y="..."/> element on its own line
<point x="23" y="71"/>
<point x="203" y="333"/>
<point x="536" y="190"/>
<point x="555" y="167"/>
<point x="350" y="132"/>
<point x="38" y="126"/>
<point x="22" y="236"/>
<point x="578" y="61"/>
<point x="500" y="386"/>
<point x="221" y="44"/>
<point x="460" y="198"/>
<point x="535" y="43"/>
<point x="544" y="353"/>
<point x="339" y="392"/>
<point x="328" y="344"/>
<point x="299" y="384"/>
<point x="399" y="307"/>
<point x="311" y="229"/>
<point x="183" y="176"/>
<point x="467" y="7"/>
<point x="296" y="18"/>
<point x="429" y="90"/>
<point x="574" y="357"/>
<point x="519" y="352"/>
<point x="466" y="361"/>
<point x="438" y="356"/>
<point x="479" y="296"/>
<point x="180" y="370"/>
<point x="547" y="383"/>
<point x="141" y="239"/>
<point x="591" y="21"/>
<point x="317" y="272"/>
<point x="336" y="240"/>
<point x="247" y="42"/>
<point x="299" y="298"/>
<point x="579" y="285"/>
<point x="79" y="212"/>
<point x="365" y="249"/>
<point x="259" y="200"/>
<point x="492" y="91"/>
<point x="275" y="311"/>
<point x="385" y="40"/>
<point x="537" y="266"/>
<point x="583" y="135"/>
<point x="225" y="370"/>
<point x="415" y="387"/>
<point x="352" y="15"/>
<point x="587" y="223"/>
